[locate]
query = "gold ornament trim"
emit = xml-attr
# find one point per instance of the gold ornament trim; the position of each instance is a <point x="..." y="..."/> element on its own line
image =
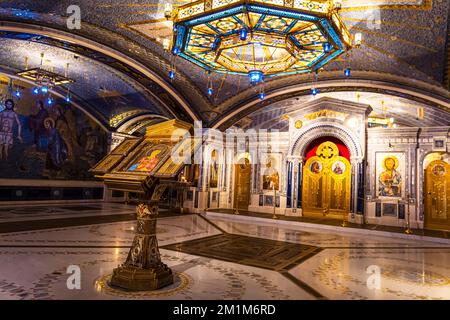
<point x="182" y="282"/>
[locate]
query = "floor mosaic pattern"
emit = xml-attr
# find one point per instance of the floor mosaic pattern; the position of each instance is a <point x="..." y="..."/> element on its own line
<point x="250" y="251"/>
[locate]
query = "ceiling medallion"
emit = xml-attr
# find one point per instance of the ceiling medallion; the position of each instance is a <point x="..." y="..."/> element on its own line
<point x="259" y="39"/>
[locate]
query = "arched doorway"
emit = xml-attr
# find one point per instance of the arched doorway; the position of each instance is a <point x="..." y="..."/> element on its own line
<point x="327" y="180"/>
<point x="242" y="177"/>
<point x="437" y="195"/>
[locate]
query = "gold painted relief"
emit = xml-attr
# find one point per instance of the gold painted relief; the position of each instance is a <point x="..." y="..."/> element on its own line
<point x="326" y="114"/>
<point x="437" y="193"/>
<point x="116" y="155"/>
<point x="326" y="183"/>
<point x="107" y="163"/>
<point x="351" y="5"/>
<point x="242" y="177"/>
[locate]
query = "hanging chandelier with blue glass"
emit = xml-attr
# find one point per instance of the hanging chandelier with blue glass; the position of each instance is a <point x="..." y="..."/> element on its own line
<point x="262" y="38"/>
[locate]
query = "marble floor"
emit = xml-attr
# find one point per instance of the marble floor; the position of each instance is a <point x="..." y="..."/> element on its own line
<point x="34" y="263"/>
<point x="38" y="212"/>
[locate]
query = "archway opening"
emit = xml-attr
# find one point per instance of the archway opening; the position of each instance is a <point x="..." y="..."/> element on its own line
<point x="326" y="187"/>
<point x="437" y="191"/>
<point x="311" y="150"/>
<point x="242" y="178"/>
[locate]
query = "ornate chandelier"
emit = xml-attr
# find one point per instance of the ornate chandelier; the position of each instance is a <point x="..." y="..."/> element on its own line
<point x="44" y="78"/>
<point x="260" y="38"/>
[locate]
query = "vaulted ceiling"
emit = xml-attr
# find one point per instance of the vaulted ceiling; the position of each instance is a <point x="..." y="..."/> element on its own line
<point x="116" y="53"/>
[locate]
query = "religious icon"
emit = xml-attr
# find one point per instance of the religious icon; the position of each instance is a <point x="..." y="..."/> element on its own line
<point x="214" y="168"/>
<point x="338" y="167"/>
<point x="439" y="170"/>
<point x="390" y="179"/>
<point x="271" y="178"/>
<point x="316" y="167"/>
<point x="268" y="201"/>
<point x="148" y="162"/>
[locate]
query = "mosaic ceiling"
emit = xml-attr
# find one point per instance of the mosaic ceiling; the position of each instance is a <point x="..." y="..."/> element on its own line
<point x="103" y="90"/>
<point x="406" y="39"/>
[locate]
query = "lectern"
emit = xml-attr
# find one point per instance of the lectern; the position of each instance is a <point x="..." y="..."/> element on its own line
<point x="148" y="166"/>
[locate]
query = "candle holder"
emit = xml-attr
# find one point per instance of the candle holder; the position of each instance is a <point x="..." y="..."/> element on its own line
<point x="408" y="224"/>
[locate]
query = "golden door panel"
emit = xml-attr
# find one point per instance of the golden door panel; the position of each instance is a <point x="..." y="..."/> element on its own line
<point x="326" y="183"/>
<point x="437" y="193"/>
<point x="242" y="185"/>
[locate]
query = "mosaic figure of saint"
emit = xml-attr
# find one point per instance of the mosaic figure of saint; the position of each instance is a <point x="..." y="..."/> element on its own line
<point x="390" y="179"/>
<point x="62" y="126"/>
<point x="37" y="126"/>
<point x="56" y="148"/>
<point x="7" y="119"/>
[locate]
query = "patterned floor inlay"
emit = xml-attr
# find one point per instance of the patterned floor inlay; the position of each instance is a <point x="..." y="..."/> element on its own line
<point x="181" y="283"/>
<point x="256" y="252"/>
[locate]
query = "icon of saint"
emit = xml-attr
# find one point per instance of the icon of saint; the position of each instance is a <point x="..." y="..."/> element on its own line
<point x="147" y="163"/>
<point x="316" y="167"/>
<point x="439" y="170"/>
<point x="390" y="179"/>
<point x="271" y="178"/>
<point x="338" y="168"/>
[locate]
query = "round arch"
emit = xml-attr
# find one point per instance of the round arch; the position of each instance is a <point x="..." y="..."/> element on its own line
<point x="309" y="134"/>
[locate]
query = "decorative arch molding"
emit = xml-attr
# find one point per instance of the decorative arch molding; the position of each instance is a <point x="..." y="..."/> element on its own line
<point x="420" y="92"/>
<point x="319" y="130"/>
<point x="108" y="51"/>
